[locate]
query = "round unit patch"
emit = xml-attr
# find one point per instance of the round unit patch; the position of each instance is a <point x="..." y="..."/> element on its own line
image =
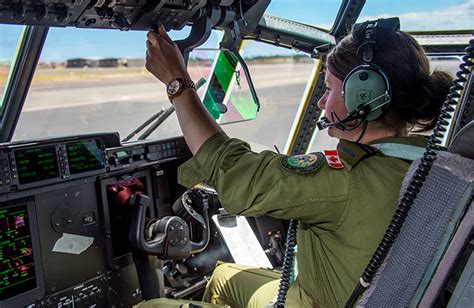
<point x="303" y="163"/>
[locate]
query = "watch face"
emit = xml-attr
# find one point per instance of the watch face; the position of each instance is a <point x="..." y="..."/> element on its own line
<point x="173" y="87"/>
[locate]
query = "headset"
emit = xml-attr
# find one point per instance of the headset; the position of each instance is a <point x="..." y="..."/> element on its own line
<point x="366" y="89"/>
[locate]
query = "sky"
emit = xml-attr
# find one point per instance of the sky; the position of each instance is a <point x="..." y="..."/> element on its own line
<point x="66" y="43"/>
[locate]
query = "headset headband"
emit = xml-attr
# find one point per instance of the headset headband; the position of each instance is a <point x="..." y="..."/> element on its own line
<point x="371" y="32"/>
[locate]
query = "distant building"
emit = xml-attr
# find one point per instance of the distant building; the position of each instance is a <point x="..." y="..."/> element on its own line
<point x="81" y="63"/>
<point x="106" y="62"/>
<point x="110" y="62"/>
<point x="137" y="62"/>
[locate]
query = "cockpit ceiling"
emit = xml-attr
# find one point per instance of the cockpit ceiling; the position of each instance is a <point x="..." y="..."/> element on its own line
<point x="120" y="14"/>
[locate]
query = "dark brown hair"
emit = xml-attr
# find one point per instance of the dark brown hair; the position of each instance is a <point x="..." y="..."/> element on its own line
<point x="417" y="96"/>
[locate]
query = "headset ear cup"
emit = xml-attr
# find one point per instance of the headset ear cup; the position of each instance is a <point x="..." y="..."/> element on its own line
<point x="366" y="85"/>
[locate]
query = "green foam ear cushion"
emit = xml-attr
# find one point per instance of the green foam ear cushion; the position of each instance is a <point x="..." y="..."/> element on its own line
<point x="361" y="87"/>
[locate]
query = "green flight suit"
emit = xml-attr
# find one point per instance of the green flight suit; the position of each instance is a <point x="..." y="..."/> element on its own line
<point x="343" y="213"/>
<point x="174" y="303"/>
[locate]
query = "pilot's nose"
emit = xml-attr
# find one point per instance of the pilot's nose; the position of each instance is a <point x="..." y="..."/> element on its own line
<point x="322" y="102"/>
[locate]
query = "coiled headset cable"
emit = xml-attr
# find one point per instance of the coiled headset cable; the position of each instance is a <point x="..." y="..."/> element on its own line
<point x="287" y="268"/>
<point x="419" y="178"/>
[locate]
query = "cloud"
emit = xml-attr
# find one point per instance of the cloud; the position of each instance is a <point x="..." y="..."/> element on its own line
<point x="449" y="18"/>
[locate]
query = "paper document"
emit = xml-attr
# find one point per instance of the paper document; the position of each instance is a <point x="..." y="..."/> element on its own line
<point x="242" y="243"/>
<point x="72" y="243"/>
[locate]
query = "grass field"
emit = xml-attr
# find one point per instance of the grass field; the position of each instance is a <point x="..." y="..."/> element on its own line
<point x="62" y="74"/>
<point x="48" y="75"/>
<point x="4" y="73"/>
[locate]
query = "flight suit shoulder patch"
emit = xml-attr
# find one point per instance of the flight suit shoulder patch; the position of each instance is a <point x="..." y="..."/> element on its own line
<point x="303" y="163"/>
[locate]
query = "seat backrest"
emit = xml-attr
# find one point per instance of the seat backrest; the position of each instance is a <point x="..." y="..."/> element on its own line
<point x="428" y="229"/>
<point x="454" y="254"/>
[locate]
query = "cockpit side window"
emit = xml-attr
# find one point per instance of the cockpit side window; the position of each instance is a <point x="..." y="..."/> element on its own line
<point x="9" y="38"/>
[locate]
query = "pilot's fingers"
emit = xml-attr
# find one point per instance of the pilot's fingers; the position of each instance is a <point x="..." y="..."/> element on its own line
<point x="163" y="34"/>
<point x="151" y="49"/>
<point x="153" y="38"/>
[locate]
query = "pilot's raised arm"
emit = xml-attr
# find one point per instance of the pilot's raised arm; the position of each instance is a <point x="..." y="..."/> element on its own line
<point x="165" y="62"/>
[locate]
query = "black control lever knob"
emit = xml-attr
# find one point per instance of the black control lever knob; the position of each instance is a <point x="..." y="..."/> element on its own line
<point x="193" y="206"/>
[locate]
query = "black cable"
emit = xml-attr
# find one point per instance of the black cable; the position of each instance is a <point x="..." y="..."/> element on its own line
<point x="287" y="268"/>
<point x="364" y="128"/>
<point x="418" y="179"/>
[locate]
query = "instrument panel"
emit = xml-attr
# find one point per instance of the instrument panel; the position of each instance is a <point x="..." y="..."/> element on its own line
<point x="58" y="161"/>
<point x="17" y="270"/>
<point x="32" y="164"/>
<point x="64" y="216"/>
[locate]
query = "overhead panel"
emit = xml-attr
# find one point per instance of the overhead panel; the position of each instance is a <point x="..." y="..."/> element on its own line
<point x="115" y="14"/>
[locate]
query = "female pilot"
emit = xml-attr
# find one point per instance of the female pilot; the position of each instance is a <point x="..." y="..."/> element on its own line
<point x="378" y="89"/>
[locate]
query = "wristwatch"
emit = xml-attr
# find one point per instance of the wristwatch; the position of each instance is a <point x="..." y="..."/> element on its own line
<point x="177" y="86"/>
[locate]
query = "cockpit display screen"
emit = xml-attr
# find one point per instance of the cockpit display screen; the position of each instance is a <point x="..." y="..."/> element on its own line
<point x="17" y="271"/>
<point x="84" y="156"/>
<point x="36" y="164"/>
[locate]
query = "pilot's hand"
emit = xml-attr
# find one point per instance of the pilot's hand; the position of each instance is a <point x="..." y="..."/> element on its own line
<point x="163" y="58"/>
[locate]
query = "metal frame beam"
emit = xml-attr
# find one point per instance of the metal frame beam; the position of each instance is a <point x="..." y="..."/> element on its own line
<point x="307" y="119"/>
<point x="306" y="123"/>
<point x="19" y="81"/>
<point x="348" y="13"/>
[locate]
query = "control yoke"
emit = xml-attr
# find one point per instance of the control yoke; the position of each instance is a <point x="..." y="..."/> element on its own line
<point x="170" y="237"/>
<point x="200" y="32"/>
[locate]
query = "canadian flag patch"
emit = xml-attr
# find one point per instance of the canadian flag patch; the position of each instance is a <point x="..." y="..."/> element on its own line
<point x="332" y="157"/>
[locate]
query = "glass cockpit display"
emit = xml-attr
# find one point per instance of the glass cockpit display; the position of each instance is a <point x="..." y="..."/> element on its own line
<point x="84" y="156"/>
<point x="36" y="164"/>
<point x="17" y="271"/>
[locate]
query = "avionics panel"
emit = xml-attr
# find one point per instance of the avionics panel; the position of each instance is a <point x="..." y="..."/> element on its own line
<point x="20" y="273"/>
<point x="84" y="156"/>
<point x="36" y="164"/>
<point x="17" y="270"/>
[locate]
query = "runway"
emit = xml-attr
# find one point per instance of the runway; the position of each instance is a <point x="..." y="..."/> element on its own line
<point x="121" y="104"/>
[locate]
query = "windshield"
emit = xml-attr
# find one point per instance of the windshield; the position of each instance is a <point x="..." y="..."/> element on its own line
<point x="95" y="80"/>
<point x="423" y="15"/>
<point x="91" y="81"/>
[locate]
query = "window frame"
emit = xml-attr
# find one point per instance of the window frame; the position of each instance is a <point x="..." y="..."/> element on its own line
<point x="30" y="45"/>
